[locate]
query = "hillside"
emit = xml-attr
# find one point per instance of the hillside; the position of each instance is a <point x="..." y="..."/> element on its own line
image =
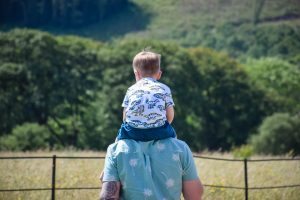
<point x="224" y="25"/>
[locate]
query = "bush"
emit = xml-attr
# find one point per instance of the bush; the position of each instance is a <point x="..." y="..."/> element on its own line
<point x="244" y="151"/>
<point x="47" y="79"/>
<point x="226" y="105"/>
<point x="29" y="136"/>
<point x="279" y="78"/>
<point x="75" y="87"/>
<point x="278" y="134"/>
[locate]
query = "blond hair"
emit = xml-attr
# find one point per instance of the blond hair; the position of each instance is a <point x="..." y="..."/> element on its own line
<point x="147" y="62"/>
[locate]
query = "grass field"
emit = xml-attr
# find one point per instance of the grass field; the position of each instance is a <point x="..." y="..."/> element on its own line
<point x="180" y="21"/>
<point x="85" y="172"/>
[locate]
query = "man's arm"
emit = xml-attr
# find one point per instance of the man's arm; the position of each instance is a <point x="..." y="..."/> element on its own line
<point x="170" y="114"/>
<point x="110" y="190"/>
<point x="192" y="190"/>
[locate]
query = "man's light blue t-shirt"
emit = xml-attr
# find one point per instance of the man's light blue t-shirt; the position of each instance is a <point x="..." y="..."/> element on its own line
<point x="150" y="170"/>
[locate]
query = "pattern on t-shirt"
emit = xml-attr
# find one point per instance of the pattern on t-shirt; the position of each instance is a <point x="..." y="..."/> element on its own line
<point x="146" y="103"/>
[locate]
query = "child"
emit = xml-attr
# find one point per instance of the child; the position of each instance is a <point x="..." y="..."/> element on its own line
<point x="148" y="104"/>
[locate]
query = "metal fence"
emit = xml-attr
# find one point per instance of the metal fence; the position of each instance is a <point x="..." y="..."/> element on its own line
<point x="53" y="188"/>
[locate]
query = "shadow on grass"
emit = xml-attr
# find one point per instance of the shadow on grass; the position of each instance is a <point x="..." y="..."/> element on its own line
<point x="131" y="19"/>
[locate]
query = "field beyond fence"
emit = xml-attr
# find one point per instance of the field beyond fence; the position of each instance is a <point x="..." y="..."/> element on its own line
<point x="75" y="176"/>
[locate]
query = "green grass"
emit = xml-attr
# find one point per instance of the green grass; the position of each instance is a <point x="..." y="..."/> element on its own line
<point x="191" y="22"/>
<point x="85" y="173"/>
<point x="217" y="24"/>
<point x="178" y="20"/>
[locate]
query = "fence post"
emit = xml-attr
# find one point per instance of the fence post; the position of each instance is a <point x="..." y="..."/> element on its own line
<point x="246" y="178"/>
<point x="53" y="177"/>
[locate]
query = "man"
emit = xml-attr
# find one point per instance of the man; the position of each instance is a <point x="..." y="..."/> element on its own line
<point x="152" y="170"/>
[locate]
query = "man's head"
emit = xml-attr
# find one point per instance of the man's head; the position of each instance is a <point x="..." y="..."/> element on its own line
<point x="147" y="64"/>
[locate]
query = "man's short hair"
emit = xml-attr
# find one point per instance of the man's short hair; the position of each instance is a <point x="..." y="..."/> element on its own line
<point x="147" y="62"/>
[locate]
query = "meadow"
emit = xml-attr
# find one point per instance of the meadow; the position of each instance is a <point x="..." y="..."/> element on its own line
<point x="36" y="173"/>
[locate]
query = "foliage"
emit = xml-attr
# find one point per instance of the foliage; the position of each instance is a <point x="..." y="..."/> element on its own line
<point x="278" y="134"/>
<point x="229" y="106"/>
<point x="221" y="25"/>
<point x="59" y="13"/>
<point x="280" y="79"/>
<point x="244" y="151"/>
<point x="28" y="136"/>
<point x="75" y="87"/>
<point x="50" y="78"/>
<point x="118" y="76"/>
<point x="259" y="4"/>
<point x="11" y="74"/>
<point x="226" y="25"/>
<point x="248" y="40"/>
<point x="201" y="77"/>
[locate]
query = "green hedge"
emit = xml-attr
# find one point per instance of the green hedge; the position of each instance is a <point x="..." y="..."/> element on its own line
<point x="75" y="87"/>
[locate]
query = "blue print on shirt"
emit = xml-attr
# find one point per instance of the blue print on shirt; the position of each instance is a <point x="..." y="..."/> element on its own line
<point x="136" y="123"/>
<point x="146" y="102"/>
<point x="152" y="116"/>
<point x="139" y="110"/>
<point x="161" y="108"/>
<point x="134" y="104"/>
<point x="159" y="96"/>
<point x="156" y="87"/>
<point x="140" y="92"/>
<point x="159" y="122"/>
<point x="151" y="104"/>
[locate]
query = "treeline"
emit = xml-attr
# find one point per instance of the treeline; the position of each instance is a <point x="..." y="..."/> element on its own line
<point x="248" y="40"/>
<point x="66" y="91"/>
<point x="37" y="13"/>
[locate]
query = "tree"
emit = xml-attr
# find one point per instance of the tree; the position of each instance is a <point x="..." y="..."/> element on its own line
<point x="278" y="134"/>
<point x="75" y="87"/>
<point x="229" y="107"/>
<point x="280" y="79"/>
<point x="177" y="67"/>
<point x="35" y="13"/>
<point x="26" y="137"/>
<point x="258" y="7"/>
<point x="216" y="106"/>
<point x="56" y="77"/>
<point x="11" y="75"/>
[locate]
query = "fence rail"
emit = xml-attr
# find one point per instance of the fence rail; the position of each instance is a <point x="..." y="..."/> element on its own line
<point x="53" y="188"/>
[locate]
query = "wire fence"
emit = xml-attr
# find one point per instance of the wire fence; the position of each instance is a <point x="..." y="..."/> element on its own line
<point x="54" y="158"/>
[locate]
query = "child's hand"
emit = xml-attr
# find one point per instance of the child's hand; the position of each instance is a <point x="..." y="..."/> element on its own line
<point x="101" y="176"/>
<point x="170" y="114"/>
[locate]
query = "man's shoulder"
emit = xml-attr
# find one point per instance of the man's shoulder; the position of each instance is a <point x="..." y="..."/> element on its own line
<point x="127" y="146"/>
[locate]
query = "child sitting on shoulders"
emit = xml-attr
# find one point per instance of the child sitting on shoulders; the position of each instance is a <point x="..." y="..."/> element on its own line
<point x="148" y="104"/>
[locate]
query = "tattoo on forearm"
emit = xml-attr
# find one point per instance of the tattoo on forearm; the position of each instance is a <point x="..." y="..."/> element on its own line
<point x="109" y="191"/>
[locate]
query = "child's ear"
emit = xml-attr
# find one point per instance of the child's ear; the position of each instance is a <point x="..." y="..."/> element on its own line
<point x="159" y="74"/>
<point x="137" y="75"/>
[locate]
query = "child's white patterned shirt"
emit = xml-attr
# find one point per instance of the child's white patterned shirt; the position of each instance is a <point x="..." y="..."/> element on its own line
<point x="145" y="103"/>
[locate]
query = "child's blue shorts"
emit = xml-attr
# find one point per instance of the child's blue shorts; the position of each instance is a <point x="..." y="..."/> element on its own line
<point x="128" y="132"/>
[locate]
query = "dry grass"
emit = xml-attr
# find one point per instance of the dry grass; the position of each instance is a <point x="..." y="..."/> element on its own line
<point x="85" y="172"/>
